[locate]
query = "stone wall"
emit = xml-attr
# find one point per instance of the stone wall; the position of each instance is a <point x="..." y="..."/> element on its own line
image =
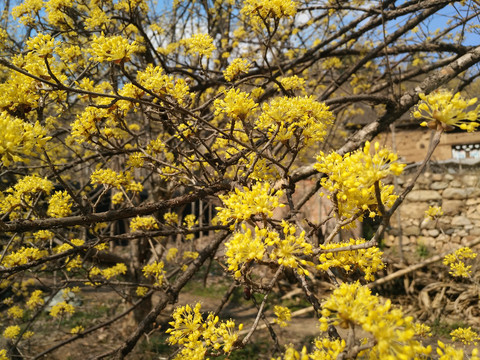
<point x="457" y="191"/>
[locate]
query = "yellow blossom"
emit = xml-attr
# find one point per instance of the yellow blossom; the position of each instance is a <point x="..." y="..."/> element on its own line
<point x="143" y="223"/>
<point x="352" y="177"/>
<point x="60" y="204"/>
<point x="465" y="335"/>
<point x="27" y="334"/>
<point x="141" y="291"/>
<point x="15" y="312"/>
<point x="190" y="255"/>
<point x="269" y="8"/>
<point x="108" y="177"/>
<point x="156" y="271"/>
<point x="171" y="218"/>
<point x="442" y="109"/>
<point x="236" y="104"/>
<point x="23" y="256"/>
<point x="448" y="352"/>
<point x="11" y="332"/>
<point x="116" y="270"/>
<point x="199" y="44"/>
<point x="3" y="355"/>
<point x="113" y="48"/>
<point x="301" y="118"/>
<point x="368" y="260"/>
<point x="77" y="329"/>
<point x="354" y="305"/>
<point x="288" y="249"/>
<point x="242" y="205"/>
<point x="171" y="254"/>
<point x="237" y="66"/>
<point x="35" y="300"/>
<point x="433" y="212"/>
<point x="243" y="248"/>
<point x="43" y="235"/>
<point x="190" y="329"/>
<point x="422" y="330"/>
<point x="293" y="83"/>
<point x="22" y="194"/>
<point x="283" y="315"/>
<point x="457" y="264"/>
<point x="61" y="308"/>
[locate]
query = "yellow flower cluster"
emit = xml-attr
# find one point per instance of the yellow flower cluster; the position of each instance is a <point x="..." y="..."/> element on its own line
<point x="43" y="235"/>
<point x="352" y="177"/>
<point x="61" y="309"/>
<point x="393" y="333"/>
<point x="368" y="260"/>
<point x="199" y="44"/>
<point x="289" y="248"/>
<point x="111" y="178"/>
<point x="433" y="212"/>
<point x="190" y="221"/>
<point x="422" y="330"/>
<point x="65" y="247"/>
<point x="190" y="255"/>
<point x="196" y="334"/>
<point x="27" y="10"/>
<point x="331" y="63"/>
<point x="118" y="269"/>
<point x="283" y="315"/>
<point x="41" y="44"/>
<point x="11" y="332"/>
<point x="22" y="194"/>
<point x="60" y="204"/>
<point x="465" y="335"/>
<point x="242" y="205"/>
<point x="129" y="5"/>
<point x="77" y="329"/>
<point x="35" y="300"/>
<point x="153" y="79"/>
<point x="171" y="254"/>
<point x="237" y="66"/>
<point x="155" y="270"/>
<point x="325" y="349"/>
<point x="112" y="48"/>
<point x="236" y="105"/>
<point x="297" y="117"/>
<point x="444" y="110"/>
<point x="293" y="83"/>
<point x="15" y="312"/>
<point x="448" y="352"/>
<point x="457" y="264"/>
<point x="141" y="291"/>
<point x="56" y="14"/>
<point x="269" y="8"/>
<point x="243" y="248"/>
<point x="19" y="139"/>
<point x="23" y="256"/>
<point x="97" y="19"/>
<point x="171" y="218"/>
<point x="3" y="355"/>
<point x="143" y="223"/>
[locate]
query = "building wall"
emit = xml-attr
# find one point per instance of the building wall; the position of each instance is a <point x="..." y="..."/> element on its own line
<point x="457" y="190"/>
<point x="412" y="145"/>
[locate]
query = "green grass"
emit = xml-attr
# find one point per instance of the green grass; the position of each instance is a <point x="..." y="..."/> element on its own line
<point x="422" y="251"/>
<point x="442" y="328"/>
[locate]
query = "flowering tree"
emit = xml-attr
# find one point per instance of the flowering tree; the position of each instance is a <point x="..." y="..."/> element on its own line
<point x="116" y="116"/>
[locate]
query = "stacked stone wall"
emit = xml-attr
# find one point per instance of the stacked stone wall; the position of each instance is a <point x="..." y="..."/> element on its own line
<point x="457" y="191"/>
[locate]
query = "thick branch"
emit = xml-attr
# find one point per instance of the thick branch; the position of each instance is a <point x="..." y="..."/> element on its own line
<point x="21" y="226"/>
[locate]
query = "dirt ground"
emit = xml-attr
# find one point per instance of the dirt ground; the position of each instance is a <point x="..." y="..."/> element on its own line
<point x="102" y="305"/>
